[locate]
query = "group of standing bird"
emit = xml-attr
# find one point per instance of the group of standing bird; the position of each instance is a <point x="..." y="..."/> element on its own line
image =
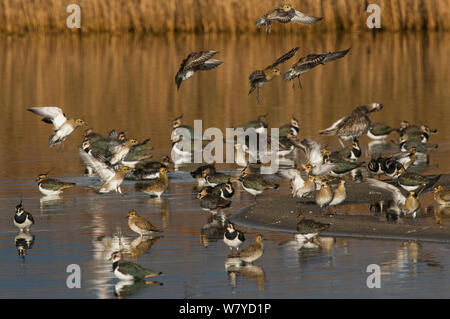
<point x="116" y="157"/>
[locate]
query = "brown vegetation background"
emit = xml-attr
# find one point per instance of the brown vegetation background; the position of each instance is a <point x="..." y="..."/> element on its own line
<point x="206" y="16"/>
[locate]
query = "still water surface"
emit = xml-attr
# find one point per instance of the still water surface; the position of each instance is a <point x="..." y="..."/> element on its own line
<point x="128" y="84"/>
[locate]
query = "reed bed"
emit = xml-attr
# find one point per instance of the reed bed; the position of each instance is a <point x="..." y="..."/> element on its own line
<point x="215" y="16"/>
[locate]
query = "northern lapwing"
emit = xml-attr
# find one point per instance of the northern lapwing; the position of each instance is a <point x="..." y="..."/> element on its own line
<point x="22" y="219"/>
<point x="233" y="237"/>
<point x="129" y="271"/>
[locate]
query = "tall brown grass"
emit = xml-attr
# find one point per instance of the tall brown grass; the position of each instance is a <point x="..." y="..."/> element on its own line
<point x="214" y="16"/>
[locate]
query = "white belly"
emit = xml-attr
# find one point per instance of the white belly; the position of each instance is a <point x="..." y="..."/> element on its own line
<point x="121" y="276"/>
<point x="375" y="137"/>
<point x="48" y="191"/>
<point x="252" y="191"/>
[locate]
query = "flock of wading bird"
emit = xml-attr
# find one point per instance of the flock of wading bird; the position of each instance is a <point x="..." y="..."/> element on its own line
<point x="321" y="174"/>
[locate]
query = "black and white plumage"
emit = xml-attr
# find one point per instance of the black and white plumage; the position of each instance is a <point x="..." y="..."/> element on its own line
<point x="310" y="61"/>
<point x="285" y="14"/>
<point x="22" y="219"/>
<point x="196" y="61"/>
<point x="354" y="125"/>
<point x="233" y="237"/>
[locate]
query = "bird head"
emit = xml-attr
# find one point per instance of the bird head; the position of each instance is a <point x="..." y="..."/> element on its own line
<point x="116" y="256"/>
<point x="163" y="170"/>
<point x="125" y="169"/>
<point x="178" y="79"/>
<point x="132" y="213"/>
<point x="177" y="122"/>
<point x="131" y="142"/>
<point x="79" y="122"/>
<point x="374" y="107"/>
<point x="413" y="150"/>
<point x="19" y="208"/>
<point x="437" y="188"/>
<point x="294" y="122"/>
<point x="286" y="7"/>
<point x="41" y="177"/>
<point x="202" y="193"/>
<point x="404" y="124"/>
<point x="259" y="238"/>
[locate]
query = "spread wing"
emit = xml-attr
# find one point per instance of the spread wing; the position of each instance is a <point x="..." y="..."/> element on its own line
<point x="103" y="171"/>
<point x="301" y="18"/>
<point x="51" y="114"/>
<point x="397" y="195"/>
<point x="284" y="57"/>
<point x="312" y="151"/>
<point x="332" y="56"/>
<point x="196" y="60"/>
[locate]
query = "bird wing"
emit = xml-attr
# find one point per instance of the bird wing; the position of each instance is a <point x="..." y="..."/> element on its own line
<point x="103" y="171"/>
<point x="312" y="151"/>
<point x="289" y="174"/>
<point x="51" y="114"/>
<point x="196" y="59"/>
<point x="397" y="195"/>
<point x="145" y="224"/>
<point x="301" y="18"/>
<point x="333" y="127"/>
<point x="323" y="169"/>
<point x="332" y="56"/>
<point x="256" y="75"/>
<point x="284" y="58"/>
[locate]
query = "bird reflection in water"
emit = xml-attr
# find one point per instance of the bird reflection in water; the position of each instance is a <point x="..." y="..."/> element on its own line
<point x="163" y="205"/>
<point x="407" y="259"/>
<point x="441" y="213"/>
<point x="235" y="267"/>
<point x="124" y="289"/>
<point x="214" y="229"/>
<point x="24" y="241"/>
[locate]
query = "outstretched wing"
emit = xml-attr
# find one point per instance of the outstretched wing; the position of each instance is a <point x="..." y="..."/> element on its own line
<point x="51" y="114"/>
<point x="332" y="56"/>
<point x="196" y="59"/>
<point x="301" y="18"/>
<point x="284" y="58"/>
<point x="103" y="171"/>
<point x="397" y="195"/>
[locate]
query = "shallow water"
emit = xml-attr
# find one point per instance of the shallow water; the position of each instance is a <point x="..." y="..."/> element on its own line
<point x="128" y="84"/>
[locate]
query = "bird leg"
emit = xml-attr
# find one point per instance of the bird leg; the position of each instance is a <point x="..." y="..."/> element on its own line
<point x="340" y="141"/>
<point x="299" y="83"/>
<point x="257" y="94"/>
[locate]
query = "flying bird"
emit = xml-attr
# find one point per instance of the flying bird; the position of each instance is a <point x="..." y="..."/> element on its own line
<point x="196" y="61"/>
<point x="306" y="63"/>
<point x="284" y="14"/>
<point x="63" y="126"/>
<point x="260" y="77"/>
